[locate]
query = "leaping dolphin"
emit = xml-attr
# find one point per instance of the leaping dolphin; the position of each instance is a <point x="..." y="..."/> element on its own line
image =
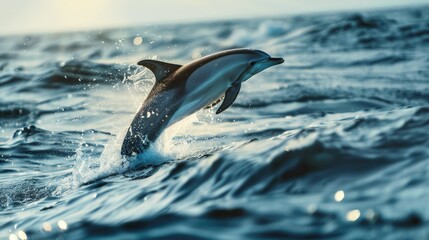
<point x="180" y="91"/>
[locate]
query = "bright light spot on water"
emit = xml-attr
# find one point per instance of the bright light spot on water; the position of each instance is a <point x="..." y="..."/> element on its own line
<point x="22" y="235"/>
<point x="47" y="227"/>
<point x="13" y="237"/>
<point x="137" y="41"/>
<point x="371" y="215"/>
<point x="62" y="224"/>
<point x="312" y="208"/>
<point x="339" y="196"/>
<point x="353" y="215"/>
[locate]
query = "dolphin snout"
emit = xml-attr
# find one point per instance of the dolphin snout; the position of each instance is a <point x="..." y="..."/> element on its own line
<point x="269" y="62"/>
<point x="276" y="60"/>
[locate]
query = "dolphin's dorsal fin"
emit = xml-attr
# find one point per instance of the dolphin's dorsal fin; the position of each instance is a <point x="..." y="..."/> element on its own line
<point x="160" y="69"/>
<point x="230" y="96"/>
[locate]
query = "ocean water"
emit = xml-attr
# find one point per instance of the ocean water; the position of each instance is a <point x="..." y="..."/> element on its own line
<point x="334" y="143"/>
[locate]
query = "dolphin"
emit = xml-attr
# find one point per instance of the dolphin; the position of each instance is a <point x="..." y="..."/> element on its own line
<point x="181" y="90"/>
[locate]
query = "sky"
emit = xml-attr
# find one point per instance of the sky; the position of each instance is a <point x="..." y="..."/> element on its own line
<point x="33" y="16"/>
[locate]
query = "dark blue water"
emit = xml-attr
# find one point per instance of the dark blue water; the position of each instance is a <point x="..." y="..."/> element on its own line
<point x="331" y="144"/>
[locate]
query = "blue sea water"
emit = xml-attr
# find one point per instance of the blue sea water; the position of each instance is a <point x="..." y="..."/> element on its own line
<point x="331" y="144"/>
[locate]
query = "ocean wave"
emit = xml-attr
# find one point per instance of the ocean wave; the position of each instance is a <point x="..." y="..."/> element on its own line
<point x="22" y="192"/>
<point x="329" y="144"/>
<point x="8" y="79"/>
<point x="338" y="145"/>
<point x="371" y="31"/>
<point x="267" y="30"/>
<point x="83" y="72"/>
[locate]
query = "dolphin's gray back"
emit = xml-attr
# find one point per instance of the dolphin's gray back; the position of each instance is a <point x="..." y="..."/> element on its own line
<point x="182" y="75"/>
<point x="204" y="78"/>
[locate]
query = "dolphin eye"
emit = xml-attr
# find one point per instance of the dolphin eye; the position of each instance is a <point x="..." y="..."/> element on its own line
<point x="252" y="63"/>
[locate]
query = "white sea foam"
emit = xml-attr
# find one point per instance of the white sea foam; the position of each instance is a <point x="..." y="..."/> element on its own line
<point x="266" y="30"/>
<point x="111" y="162"/>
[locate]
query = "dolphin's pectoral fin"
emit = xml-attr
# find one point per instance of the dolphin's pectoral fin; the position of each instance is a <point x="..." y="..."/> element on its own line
<point x="214" y="103"/>
<point x="230" y="96"/>
<point x="160" y="69"/>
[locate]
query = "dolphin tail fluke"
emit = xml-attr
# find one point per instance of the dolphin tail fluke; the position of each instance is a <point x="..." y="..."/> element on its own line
<point x="230" y="96"/>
